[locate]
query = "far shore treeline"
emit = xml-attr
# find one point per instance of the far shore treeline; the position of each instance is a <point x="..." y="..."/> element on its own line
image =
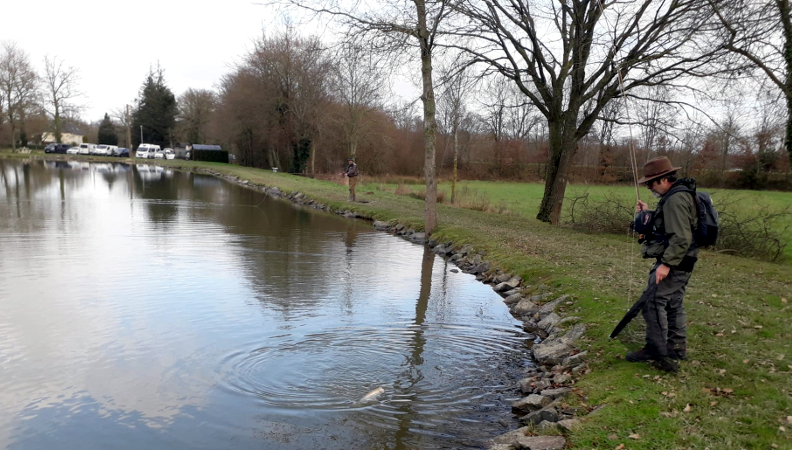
<point x="295" y="103"/>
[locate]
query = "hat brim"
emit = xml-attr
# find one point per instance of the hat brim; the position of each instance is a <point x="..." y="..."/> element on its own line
<point x="644" y="179"/>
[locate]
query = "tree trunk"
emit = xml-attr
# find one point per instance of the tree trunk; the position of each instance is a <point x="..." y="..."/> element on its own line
<point x="13" y="133"/>
<point x="788" y="140"/>
<point x="128" y="130"/>
<point x="430" y="125"/>
<point x="11" y="123"/>
<point x="456" y="153"/>
<point x="353" y="147"/>
<point x="58" y="134"/>
<point x="313" y="159"/>
<point x="785" y="10"/>
<point x="562" y="149"/>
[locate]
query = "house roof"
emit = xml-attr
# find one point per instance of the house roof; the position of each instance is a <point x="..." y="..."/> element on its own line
<point x="71" y="129"/>
<point x="206" y="147"/>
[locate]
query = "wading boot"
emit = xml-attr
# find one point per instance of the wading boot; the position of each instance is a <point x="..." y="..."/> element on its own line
<point x="665" y="364"/>
<point x="679" y="354"/>
<point x="641" y="355"/>
<point x="659" y="362"/>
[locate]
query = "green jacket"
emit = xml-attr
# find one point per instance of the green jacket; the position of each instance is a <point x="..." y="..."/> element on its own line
<point x="674" y="222"/>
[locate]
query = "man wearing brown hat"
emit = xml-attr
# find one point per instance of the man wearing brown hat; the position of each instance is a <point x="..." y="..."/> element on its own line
<point x="671" y="244"/>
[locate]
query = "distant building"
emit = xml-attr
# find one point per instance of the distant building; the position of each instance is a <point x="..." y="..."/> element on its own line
<point x="70" y="134"/>
<point x="182" y="149"/>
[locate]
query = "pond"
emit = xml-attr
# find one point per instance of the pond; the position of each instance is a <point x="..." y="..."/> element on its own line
<point x="143" y="307"/>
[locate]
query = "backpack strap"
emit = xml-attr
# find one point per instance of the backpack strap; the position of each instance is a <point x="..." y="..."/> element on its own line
<point x="674" y="190"/>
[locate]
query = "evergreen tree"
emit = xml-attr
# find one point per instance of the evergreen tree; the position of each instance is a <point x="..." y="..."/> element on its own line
<point x="156" y="111"/>
<point x="107" y="132"/>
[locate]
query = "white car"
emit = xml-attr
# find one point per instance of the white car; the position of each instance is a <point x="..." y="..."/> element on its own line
<point x="147" y="151"/>
<point x="102" y="150"/>
<point x="165" y="154"/>
<point x="73" y="151"/>
<point x="87" y="149"/>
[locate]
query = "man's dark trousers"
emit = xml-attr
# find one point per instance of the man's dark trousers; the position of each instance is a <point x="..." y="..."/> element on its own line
<point x="666" y="326"/>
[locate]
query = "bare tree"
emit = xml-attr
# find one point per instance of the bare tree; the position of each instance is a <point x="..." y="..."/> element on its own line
<point x="359" y="79"/>
<point x="398" y="24"/>
<point x="655" y="116"/>
<point x="195" y="107"/>
<point x="760" y="31"/>
<point x="567" y="56"/>
<point x="61" y="90"/>
<point x="458" y="83"/>
<point x="18" y="83"/>
<point x="271" y="105"/>
<point x="123" y="118"/>
<point x="729" y="130"/>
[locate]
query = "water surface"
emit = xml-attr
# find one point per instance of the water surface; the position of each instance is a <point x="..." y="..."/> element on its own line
<point x="146" y="308"/>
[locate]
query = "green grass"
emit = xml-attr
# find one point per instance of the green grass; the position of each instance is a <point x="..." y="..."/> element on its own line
<point x="523" y="199"/>
<point x="735" y="391"/>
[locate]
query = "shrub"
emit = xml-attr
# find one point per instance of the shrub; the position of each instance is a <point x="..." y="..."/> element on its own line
<point x="611" y="215"/>
<point x="401" y="189"/>
<point x="471" y="199"/>
<point x="760" y="233"/>
<point x="210" y="155"/>
<point x="421" y="195"/>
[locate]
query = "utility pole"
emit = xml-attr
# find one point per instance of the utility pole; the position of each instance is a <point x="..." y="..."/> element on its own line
<point x="141" y="134"/>
<point x="128" y="130"/>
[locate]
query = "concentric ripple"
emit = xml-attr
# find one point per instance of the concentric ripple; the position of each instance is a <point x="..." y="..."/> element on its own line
<point x="431" y="367"/>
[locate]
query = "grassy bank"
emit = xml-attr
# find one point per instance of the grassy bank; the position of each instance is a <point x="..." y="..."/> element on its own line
<point x="734" y="392"/>
<point x="523" y="199"/>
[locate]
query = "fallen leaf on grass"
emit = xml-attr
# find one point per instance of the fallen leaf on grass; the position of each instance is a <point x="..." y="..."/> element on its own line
<point x="780" y="357"/>
<point x="758" y="327"/>
<point x="783" y="300"/>
<point x="613" y="437"/>
<point x="636" y="436"/>
<point x="789" y="419"/>
<point x="713" y="403"/>
<point x="620" y="447"/>
<point x="666" y="414"/>
<point x="746" y="361"/>
<point x="719" y="335"/>
<point x="782" y="429"/>
<point x="687" y="408"/>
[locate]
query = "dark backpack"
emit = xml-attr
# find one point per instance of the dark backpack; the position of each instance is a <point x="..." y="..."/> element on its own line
<point x="706" y="232"/>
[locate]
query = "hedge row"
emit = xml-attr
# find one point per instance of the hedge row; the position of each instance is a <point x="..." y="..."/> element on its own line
<point x="210" y="155"/>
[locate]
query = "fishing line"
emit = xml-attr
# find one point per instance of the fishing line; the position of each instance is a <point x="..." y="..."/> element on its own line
<point x="631" y="146"/>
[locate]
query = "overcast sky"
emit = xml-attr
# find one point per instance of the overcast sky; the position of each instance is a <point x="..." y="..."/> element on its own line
<point x="114" y="43"/>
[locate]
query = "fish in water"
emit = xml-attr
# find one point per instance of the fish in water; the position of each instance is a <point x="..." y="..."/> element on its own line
<point x="373" y="395"/>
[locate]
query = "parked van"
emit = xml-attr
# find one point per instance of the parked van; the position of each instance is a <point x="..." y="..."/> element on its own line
<point x="146" y="151"/>
<point x="87" y="149"/>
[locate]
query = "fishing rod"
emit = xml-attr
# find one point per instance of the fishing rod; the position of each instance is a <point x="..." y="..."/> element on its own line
<point x="638" y="305"/>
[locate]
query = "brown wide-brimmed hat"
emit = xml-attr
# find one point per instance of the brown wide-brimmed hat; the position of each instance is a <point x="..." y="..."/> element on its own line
<point x="656" y="168"/>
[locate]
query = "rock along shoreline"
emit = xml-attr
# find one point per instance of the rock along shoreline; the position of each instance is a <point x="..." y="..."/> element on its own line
<point x="544" y="414"/>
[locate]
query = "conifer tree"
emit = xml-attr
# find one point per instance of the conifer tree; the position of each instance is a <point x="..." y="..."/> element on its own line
<point x="107" y="132"/>
<point x="156" y="111"/>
